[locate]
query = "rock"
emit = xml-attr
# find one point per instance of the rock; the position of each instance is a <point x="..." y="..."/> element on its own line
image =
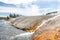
<point x="49" y="24"/>
<point x="7" y="31"/>
<point x="29" y="22"/>
<point x="49" y="35"/>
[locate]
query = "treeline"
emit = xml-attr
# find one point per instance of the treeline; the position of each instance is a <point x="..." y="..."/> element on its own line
<point x="52" y="13"/>
<point x="13" y="16"/>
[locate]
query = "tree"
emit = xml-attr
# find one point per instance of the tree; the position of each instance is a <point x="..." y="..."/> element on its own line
<point x="13" y="15"/>
<point x="7" y="17"/>
<point x="10" y="15"/>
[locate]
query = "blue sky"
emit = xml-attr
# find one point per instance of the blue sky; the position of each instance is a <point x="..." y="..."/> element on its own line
<point x="30" y="7"/>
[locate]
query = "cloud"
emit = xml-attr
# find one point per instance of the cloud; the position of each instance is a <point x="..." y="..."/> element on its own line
<point x="17" y="1"/>
<point x="30" y="7"/>
<point x="33" y="11"/>
<point x="47" y="10"/>
<point x="25" y="1"/>
<point x="47" y="0"/>
<point x="26" y="9"/>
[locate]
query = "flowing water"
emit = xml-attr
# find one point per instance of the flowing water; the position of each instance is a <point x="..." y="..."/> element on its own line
<point x="7" y="31"/>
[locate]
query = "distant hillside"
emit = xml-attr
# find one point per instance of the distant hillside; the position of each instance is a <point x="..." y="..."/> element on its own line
<point x="52" y="13"/>
<point x="3" y="18"/>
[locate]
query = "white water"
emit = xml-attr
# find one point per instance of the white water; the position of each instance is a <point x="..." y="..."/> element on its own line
<point x="23" y="36"/>
<point x="48" y="20"/>
<point x="7" y="31"/>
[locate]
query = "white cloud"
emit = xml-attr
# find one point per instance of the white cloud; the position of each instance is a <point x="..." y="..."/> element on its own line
<point x="47" y="0"/>
<point x="25" y="1"/>
<point x="34" y="10"/>
<point x="29" y="11"/>
<point x="17" y="1"/>
<point x="47" y="10"/>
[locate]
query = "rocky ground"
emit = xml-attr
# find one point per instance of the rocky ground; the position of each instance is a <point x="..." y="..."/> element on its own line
<point x="51" y="27"/>
<point x="29" y="23"/>
<point x="8" y="30"/>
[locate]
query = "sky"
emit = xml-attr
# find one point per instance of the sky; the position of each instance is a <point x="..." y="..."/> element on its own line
<point x="30" y="7"/>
